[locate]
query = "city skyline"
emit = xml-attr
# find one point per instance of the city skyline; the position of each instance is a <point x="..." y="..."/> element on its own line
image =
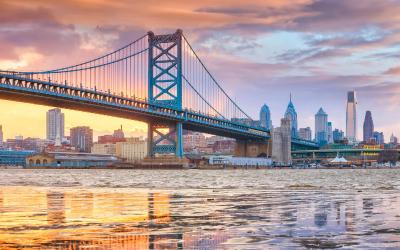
<point x="210" y="124"/>
<point x="272" y="57"/>
<point x="138" y="129"/>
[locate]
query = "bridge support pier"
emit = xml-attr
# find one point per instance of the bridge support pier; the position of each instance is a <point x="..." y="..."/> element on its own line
<point x="246" y="148"/>
<point x="164" y="139"/>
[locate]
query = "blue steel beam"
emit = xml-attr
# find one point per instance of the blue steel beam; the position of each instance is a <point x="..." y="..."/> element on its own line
<point x="17" y="88"/>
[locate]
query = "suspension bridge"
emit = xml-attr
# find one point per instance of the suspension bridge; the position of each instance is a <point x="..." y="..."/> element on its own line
<point x="158" y="79"/>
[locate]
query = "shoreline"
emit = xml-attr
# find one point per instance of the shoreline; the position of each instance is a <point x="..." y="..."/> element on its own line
<point x="176" y="167"/>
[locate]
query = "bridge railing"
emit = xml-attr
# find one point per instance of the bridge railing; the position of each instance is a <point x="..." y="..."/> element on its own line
<point x="138" y="103"/>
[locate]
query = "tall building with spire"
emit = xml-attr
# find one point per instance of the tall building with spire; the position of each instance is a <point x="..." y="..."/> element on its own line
<point x="265" y="117"/>
<point x="351" y="116"/>
<point x="368" y="128"/>
<point x="321" y="127"/>
<point x="291" y="114"/>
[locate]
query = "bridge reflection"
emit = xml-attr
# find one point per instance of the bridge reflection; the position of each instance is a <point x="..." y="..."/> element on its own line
<point x="48" y="219"/>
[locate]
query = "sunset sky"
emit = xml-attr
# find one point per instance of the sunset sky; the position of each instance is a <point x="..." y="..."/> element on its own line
<point x="260" y="51"/>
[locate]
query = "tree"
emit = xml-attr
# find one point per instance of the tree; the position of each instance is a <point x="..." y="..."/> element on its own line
<point x="388" y="155"/>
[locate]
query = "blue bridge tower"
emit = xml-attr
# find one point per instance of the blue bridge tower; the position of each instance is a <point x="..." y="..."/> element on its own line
<point x="165" y="89"/>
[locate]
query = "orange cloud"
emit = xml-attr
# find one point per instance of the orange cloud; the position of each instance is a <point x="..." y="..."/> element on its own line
<point x="393" y="71"/>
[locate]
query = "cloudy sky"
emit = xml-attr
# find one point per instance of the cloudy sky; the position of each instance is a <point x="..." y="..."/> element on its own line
<point x="260" y="51"/>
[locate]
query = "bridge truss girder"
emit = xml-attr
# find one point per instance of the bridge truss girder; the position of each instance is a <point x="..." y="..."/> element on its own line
<point x="165" y="138"/>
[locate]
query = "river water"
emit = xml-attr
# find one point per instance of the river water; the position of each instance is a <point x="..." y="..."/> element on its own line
<point x="199" y="209"/>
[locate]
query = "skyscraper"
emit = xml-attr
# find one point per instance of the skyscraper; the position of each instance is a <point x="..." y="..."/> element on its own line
<point x="82" y="138"/>
<point x="265" y="117"/>
<point x="351" y="116"/>
<point x="337" y="135"/>
<point x="55" y="125"/>
<point x="321" y="127"/>
<point x="368" y="128"/>
<point x="330" y="133"/>
<point x="292" y="116"/>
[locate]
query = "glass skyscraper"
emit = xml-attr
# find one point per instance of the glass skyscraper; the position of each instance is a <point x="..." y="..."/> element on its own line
<point x="368" y="128"/>
<point x="55" y="125"/>
<point x="351" y="116"/>
<point x="265" y="117"/>
<point x="337" y="135"/>
<point x="321" y="127"/>
<point x="330" y="132"/>
<point x="292" y="116"/>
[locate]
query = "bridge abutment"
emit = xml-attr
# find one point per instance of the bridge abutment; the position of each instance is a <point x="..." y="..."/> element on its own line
<point x="246" y="148"/>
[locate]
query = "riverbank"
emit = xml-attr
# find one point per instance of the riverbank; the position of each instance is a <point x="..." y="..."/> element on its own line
<point x="200" y="167"/>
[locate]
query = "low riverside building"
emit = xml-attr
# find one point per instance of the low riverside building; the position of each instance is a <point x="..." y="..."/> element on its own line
<point x="70" y="160"/>
<point x="14" y="157"/>
<point x="104" y="148"/>
<point x="239" y="161"/>
<point x="132" y="150"/>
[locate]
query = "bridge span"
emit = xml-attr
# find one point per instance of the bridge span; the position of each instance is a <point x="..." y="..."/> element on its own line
<point x="157" y="79"/>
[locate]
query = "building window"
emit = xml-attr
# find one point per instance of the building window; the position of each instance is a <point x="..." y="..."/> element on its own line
<point x="44" y="161"/>
<point x="38" y="162"/>
<point x="30" y="162"/>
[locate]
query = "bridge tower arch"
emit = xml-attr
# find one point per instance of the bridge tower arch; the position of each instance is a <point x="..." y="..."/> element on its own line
<point x="165" y="89"/>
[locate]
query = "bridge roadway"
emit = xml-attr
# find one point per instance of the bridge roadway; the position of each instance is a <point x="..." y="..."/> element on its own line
<point x="46" y="93"/>
<point x="16" y="88"/>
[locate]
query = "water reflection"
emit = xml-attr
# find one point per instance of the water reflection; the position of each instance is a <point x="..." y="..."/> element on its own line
<point x="194" y="218"/>
<point x="68" y="219"/>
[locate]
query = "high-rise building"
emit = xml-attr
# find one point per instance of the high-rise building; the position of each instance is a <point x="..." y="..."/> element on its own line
<point x="1" y="135"/>
<point x="351" y="116"/>
<point x="330" y="133"/>
<point x="55" y="125"/>
<point x="82" y="138"/>
<point x="291" y="114"/>
<point x="321" y="127"/>
<point x="368" y="128"/>
<point x="338" y="135"/>
<point x="265" y="117"/>
<point x="378" y="137"/>
<point x="305" y="133"/>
